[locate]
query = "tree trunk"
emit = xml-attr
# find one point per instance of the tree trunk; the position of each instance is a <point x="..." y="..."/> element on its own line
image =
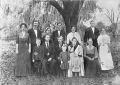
<point x="69" y="12"/>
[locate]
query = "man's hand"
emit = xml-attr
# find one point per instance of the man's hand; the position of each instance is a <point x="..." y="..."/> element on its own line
<point x="61" y="62"/>
<point x="33" y="60"/>
<point x="49" y="59"/>
<point x="48" y="54"/>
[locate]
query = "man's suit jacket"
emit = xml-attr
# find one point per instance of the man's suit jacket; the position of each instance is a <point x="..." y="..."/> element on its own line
<point x="40" y="51"/>
<point x="89" y="34"/>
<point x="55" y="35"/>
<point x="49" y="50"/>
<point x="33" y="37"/>
<point x="58" y="50"/>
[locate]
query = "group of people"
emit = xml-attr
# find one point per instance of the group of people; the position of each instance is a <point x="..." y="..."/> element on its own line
<point x="56" y="53"/>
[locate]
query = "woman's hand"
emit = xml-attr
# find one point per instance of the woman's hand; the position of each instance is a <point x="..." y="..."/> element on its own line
<point x="89" y="58"/>
<point x="16" y="51"/>
<point x="29" y="50"/>
<point x="35" y="53"/>
<point x="92" y="58"/>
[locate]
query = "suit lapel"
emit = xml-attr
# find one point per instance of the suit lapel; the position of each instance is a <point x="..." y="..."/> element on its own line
<point x="56" y="33"/>
<point x="33" y="32"/>
<point x="92" y="30"/>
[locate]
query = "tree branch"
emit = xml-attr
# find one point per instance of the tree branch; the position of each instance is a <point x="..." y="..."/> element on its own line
<point x="118" y="17"/>
<point x="57" y="6"/>
<point x="109" y="18"/>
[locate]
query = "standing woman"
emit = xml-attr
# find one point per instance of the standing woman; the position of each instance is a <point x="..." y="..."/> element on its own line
<point x="23" y="49"/>
<point x="106" y="61"/>
<point x="91" y="55"/>
<point x="72" y="34"/>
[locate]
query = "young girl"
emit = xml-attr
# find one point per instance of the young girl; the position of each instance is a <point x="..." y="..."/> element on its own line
<point x="76" y="66"/>
<point x="38" y="55"/>
<point x="64" y="57"/>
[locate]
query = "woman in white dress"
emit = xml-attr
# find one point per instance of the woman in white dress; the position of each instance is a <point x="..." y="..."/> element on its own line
<point x="73" y="34"/>
<point x="105" y="56"/>
<point x="76" y="63"/>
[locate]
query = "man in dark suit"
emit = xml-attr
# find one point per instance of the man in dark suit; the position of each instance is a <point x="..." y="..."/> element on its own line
<point x="34" y="33"/>
<point x="58" y="50"/>
<point x="92" y="32"/>
<point x="58" y="32"/>
<point x="48" y="60"/>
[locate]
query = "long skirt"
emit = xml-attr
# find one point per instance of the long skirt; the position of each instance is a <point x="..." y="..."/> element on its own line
<point x="80" y="69"/>
<point x="23" y="64"/>
<point x="92" y="67"/>
<point x="105" y="58"/>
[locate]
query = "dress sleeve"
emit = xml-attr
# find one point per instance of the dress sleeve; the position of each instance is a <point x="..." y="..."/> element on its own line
<point x="85" y="51"/>
<point x="17" y="38"/>
<point x="68" y="40"/>
<point x="99" y="40"/>
<point x="86" y="36"/>
<point x="60" y="56"/>
<point x="96" y="52"/>
<point x="79" y="38"/>
<point x="68" y="54"/>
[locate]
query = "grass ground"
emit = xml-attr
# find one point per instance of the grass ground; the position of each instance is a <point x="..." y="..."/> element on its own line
<point x="7" y="59"/>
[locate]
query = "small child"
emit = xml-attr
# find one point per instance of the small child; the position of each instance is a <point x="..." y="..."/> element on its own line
<point x="38" y="55"/>
<point x="64" y="58"/>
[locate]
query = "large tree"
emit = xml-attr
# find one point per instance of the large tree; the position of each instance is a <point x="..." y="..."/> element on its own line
<point x="69" y="11"/>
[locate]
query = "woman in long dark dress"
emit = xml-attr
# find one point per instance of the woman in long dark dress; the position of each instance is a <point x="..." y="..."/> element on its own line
<point x="22" y="64"/>
<point x="91" y="61"/>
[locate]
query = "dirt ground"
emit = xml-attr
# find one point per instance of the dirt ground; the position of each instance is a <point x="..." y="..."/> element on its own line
<point x="7" y="59"/>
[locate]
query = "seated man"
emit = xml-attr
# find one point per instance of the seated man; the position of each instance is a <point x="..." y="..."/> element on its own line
<point x="58" y="49"/>
<point x="48" y="56"/>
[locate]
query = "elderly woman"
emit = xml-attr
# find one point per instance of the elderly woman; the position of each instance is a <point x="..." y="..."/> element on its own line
<point x="106" y="61"/>
<point x="91" y="62"/>
<point x="76" y="64"/>
<point x="73" y="34"/>
<point x="22" y="64"/>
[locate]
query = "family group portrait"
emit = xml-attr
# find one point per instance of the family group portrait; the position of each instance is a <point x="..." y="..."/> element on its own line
<point x="59" y="42"/>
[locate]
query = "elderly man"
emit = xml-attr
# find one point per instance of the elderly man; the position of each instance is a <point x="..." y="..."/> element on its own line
<point x="48" y="61"/>
<point x="92" y="32"/>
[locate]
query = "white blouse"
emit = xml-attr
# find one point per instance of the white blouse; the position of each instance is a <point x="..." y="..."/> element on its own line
<point x="103" y="39"/>
<point x="71" y="35"/>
